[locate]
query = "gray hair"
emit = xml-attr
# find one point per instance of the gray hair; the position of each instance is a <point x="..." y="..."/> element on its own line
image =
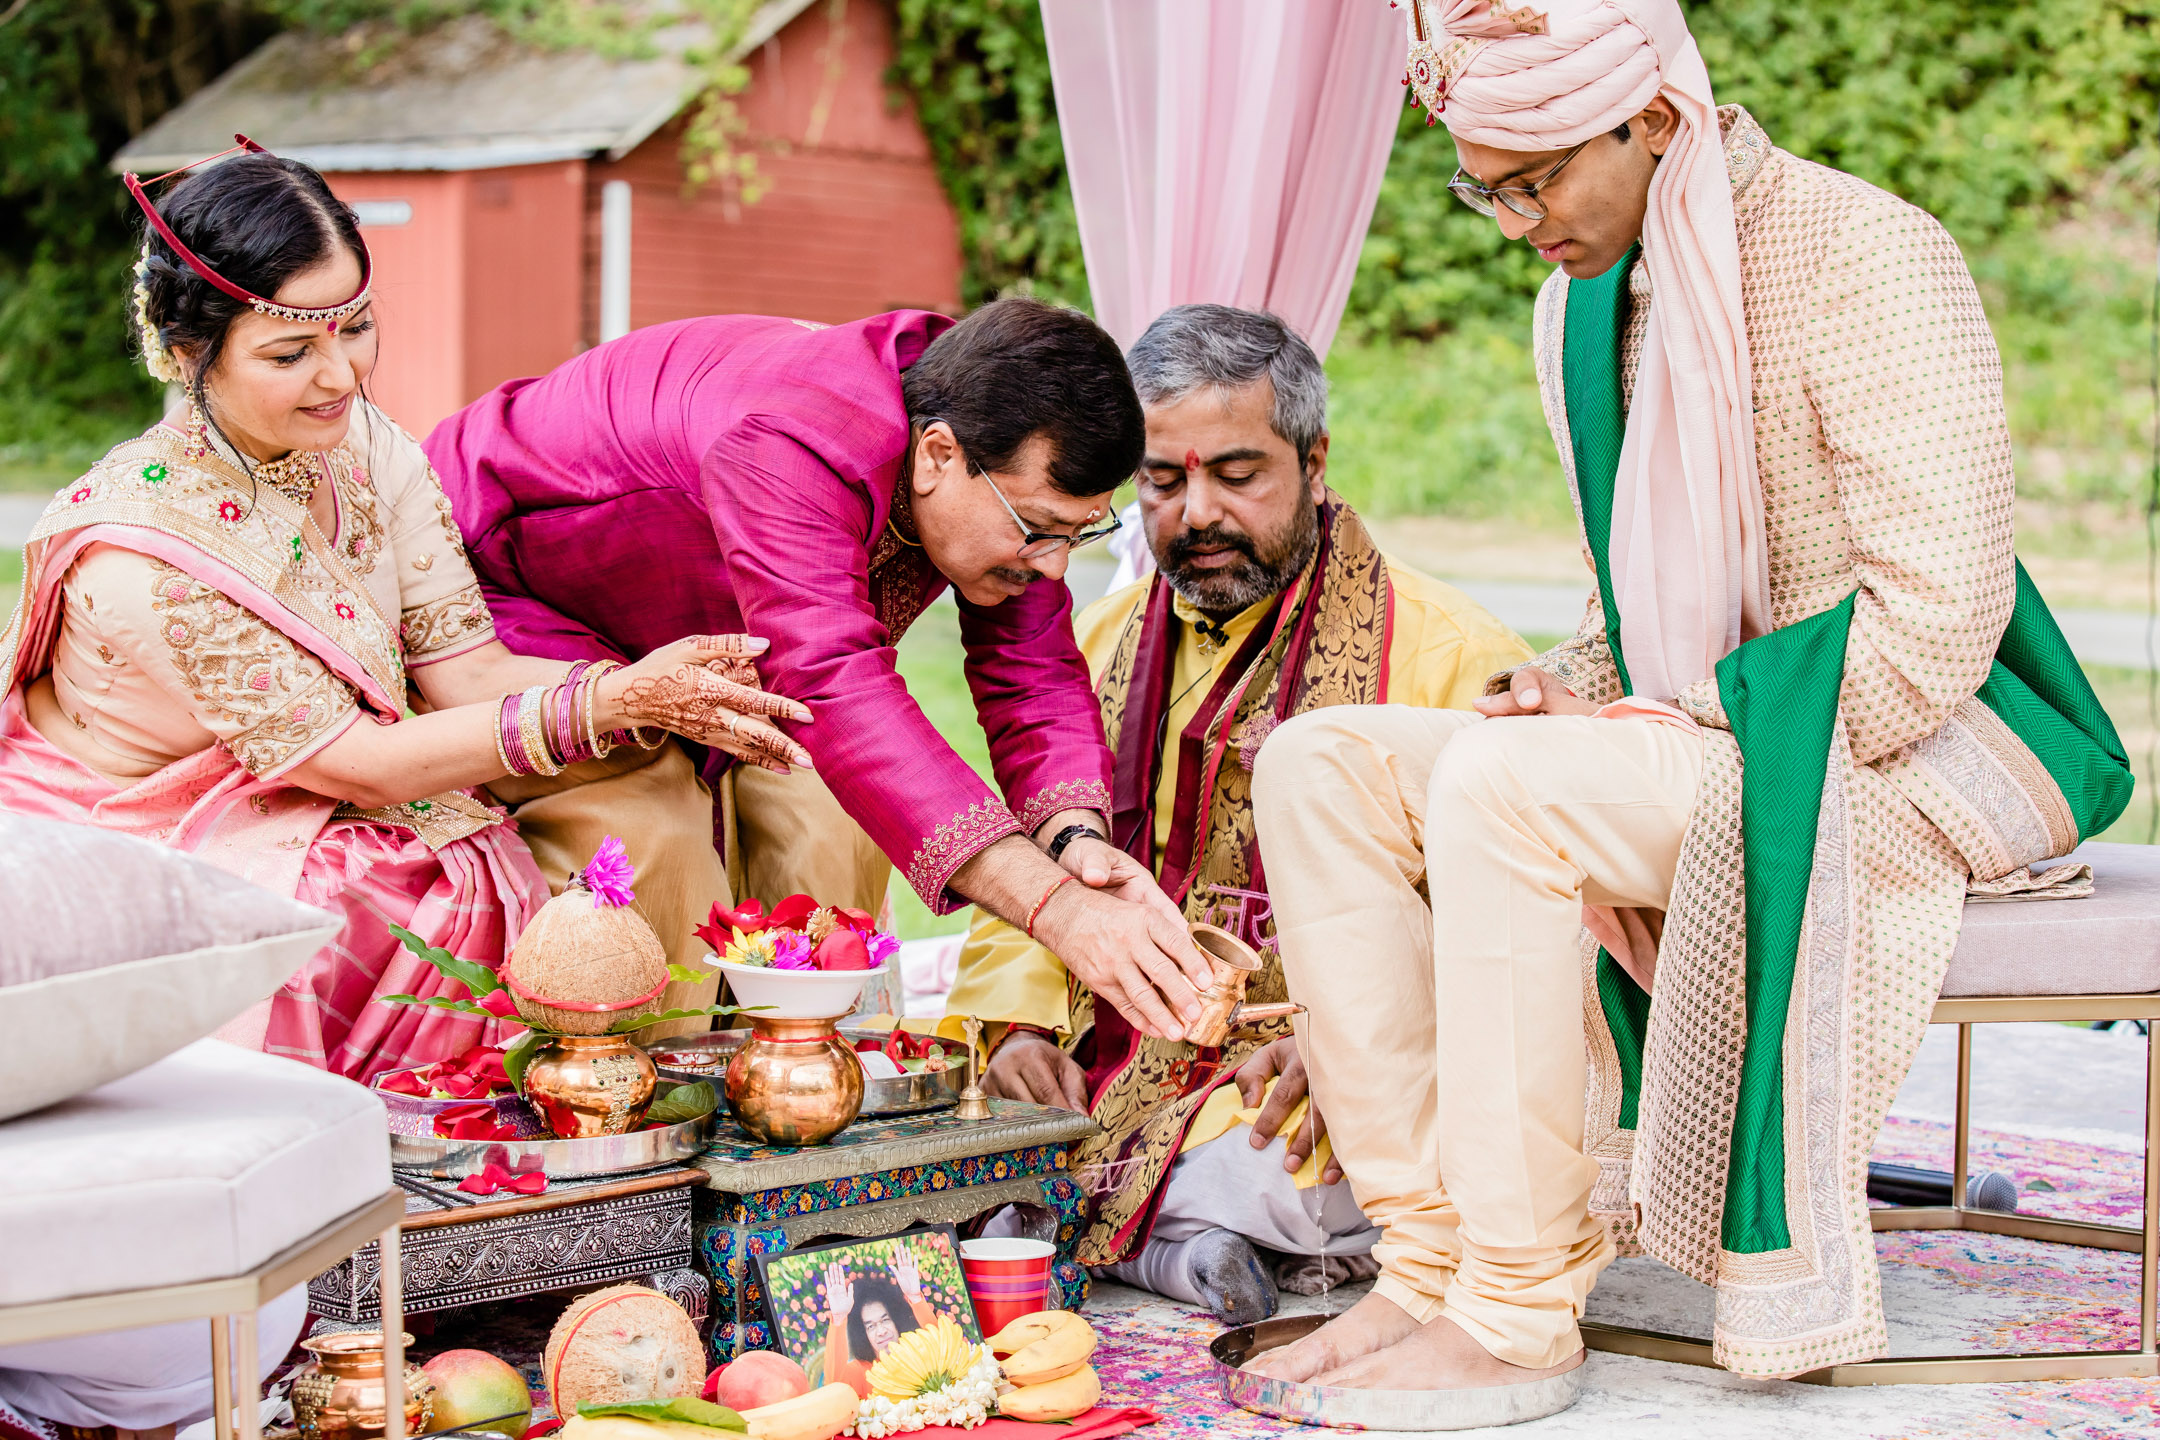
<point x="1220" y="347"/>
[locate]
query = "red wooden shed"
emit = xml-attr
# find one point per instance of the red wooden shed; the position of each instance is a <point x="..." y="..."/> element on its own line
<point x="523" y="204"/>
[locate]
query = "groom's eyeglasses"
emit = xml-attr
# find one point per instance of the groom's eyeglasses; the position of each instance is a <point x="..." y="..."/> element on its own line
<point x="1522" y="199"/>
<point x="1036" y="544"/>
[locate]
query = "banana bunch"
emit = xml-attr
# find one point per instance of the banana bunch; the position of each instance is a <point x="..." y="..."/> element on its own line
<point x="1045" y="1359"/>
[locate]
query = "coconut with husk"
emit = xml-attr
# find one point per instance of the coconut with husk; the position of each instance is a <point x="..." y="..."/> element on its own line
<point x="587" y="959"/>
<point x="619" y="1344"/>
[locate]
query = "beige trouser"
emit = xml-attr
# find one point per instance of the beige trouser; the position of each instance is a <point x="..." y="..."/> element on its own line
<point x="1445" y="1039"/>
<point x="786" y="834"/>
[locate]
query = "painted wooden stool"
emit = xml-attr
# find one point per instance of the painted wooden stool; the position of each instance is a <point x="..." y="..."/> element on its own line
<point x="875" y="1178"/>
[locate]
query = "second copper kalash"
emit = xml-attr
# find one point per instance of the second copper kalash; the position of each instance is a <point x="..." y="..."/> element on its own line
<point x="1231" y="965"/>
<point x="794" y="1082"/>
<point x="338" y="1395"/>
<point x="587" y="1085"/>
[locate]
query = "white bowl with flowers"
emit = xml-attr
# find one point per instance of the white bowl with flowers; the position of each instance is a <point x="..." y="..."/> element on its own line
<point x="800" y="960"/>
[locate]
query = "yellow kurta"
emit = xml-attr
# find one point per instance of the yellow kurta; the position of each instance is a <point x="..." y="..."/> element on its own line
<point x="1443" y="647"/>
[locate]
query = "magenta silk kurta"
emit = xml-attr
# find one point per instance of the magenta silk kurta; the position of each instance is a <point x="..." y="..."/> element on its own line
<point x="738" y="473"/>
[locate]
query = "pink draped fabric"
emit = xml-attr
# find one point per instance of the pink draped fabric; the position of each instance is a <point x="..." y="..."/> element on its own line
<point x="1224" y="150"/>
<point x="471" y="897"/>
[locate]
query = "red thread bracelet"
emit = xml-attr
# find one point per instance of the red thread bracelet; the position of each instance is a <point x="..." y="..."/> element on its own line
<point x="1056" y="886"/>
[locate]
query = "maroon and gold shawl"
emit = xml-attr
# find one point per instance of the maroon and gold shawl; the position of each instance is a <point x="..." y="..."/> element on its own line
<point x="1324" y="642"/>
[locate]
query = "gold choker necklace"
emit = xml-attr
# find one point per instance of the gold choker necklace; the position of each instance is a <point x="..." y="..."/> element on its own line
<point x="293" y="474"/>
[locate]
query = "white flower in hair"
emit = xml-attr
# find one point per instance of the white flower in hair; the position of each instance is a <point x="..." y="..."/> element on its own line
<point x="157" y="359"/>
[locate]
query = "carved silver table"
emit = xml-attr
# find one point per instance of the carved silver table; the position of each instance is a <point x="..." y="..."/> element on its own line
<point x="877" y="1177"/>
<point x="456" y="1250"/>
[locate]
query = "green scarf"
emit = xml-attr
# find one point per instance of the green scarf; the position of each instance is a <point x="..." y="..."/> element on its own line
<point x="2035" y="686"/>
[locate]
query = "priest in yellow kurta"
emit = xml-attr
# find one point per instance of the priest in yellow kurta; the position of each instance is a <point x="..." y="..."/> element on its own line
<point x="1211" y="1176"/>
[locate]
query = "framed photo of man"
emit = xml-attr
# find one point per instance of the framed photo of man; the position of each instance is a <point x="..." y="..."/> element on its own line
<point x="836" y="1308"/>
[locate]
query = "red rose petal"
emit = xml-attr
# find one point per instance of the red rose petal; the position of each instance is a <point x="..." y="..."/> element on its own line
<point x="404" y="1082"/>
<point x="842" y="950"/>
<point x="855" y="919"/>
<point x="792" y="913"/>
<point x="500" y="1003"/>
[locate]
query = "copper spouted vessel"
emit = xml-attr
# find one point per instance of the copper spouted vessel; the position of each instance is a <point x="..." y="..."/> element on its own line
<point x="1231" y="966"/>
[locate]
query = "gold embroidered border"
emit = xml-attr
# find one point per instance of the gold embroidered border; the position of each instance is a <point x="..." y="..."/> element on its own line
<point x="953" y="845"/>
<point x="436" y="821"/>
<point x="455" y="623"/>
<point x="1065" y="795"/>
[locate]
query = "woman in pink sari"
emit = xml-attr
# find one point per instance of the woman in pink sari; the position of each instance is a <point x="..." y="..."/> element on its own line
<point x="227" y="623"/>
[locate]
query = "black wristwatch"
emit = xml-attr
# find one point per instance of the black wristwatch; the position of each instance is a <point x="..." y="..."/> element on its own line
<point x="1071" y="833"/>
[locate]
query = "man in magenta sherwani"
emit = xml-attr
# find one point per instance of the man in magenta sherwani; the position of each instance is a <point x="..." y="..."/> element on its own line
<point x="818" y="487"/>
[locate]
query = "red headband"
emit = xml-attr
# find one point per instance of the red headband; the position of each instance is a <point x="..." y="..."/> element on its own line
<point x="261" y="306"/>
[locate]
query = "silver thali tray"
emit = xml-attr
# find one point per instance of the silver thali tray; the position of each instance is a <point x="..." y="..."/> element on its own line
<point x="561" y="1159"/>
<point x="705" y="1057"/>
<point x="1343" y="1408"/>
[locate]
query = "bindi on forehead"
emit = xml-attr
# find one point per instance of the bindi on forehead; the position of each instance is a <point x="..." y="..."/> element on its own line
<point x="1192" y="459"/>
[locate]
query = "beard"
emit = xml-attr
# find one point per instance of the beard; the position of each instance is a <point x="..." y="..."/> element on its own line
<point x="1261" y="566"/>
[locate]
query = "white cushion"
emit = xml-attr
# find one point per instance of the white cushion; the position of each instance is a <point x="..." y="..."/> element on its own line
<point x="2106" y="944"/>
<point x="116" y="951"/>
<point x="201" y="1166"/>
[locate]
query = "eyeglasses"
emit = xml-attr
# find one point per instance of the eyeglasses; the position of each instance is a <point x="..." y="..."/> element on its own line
<point x="1522" y="199"/>
<point x="1036" y="544"/>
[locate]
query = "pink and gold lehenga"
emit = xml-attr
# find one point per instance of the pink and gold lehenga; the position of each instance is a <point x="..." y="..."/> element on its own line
<point x="187" y="635"/>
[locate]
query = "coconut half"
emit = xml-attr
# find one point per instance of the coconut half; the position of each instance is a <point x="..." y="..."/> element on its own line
<point x="622" y="1343"/>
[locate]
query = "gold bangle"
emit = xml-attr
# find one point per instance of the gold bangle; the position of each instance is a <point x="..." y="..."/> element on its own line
<point x="599" y="744"/>
<point x="532" y="706"/>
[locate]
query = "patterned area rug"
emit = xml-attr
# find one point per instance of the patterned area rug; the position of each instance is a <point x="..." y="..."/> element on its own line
<point x="1946" y="1292"/>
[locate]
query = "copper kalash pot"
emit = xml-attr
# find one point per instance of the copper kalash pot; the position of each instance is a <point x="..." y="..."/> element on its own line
<point x="586" y="1085"/>
<point x="1231" y="966"/>
<point x="794" y="1082"/>
<point x="338" y="1395"/>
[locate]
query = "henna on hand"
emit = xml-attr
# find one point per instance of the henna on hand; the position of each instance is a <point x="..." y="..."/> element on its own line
<point x="692" y="701"/>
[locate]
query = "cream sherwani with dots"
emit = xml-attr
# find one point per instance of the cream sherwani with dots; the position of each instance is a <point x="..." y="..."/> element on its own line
<point x="1429" y="868"/>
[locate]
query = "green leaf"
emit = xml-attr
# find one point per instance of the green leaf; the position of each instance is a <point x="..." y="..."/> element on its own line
<point x="684" y="1102"/>
<point x="518" y="1054"/>
<point x="683" y="1412"/>
<point x="690" y="974"/>
<point x="474" y="977"/>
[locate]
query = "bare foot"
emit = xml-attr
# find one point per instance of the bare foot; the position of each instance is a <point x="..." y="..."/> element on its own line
<point x="1374" y="1323"/>
<point x="1439" y="1355"/>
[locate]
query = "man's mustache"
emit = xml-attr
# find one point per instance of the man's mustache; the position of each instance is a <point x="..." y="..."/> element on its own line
<point x="1214" y="537"/>
<point x="1012" y="576"/>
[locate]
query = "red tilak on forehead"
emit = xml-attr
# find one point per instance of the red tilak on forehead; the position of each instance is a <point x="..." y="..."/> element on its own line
<point x="1192" y="460"/>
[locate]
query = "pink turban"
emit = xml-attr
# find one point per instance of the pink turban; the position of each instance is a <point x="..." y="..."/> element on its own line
<point x="1689" y="567"/>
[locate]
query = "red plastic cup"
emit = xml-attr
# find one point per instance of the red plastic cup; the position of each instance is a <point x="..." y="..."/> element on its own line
<point x="1006" y="1278"/>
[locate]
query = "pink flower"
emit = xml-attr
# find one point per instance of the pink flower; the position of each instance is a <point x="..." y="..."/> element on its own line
<point x="344" y="611"/>
<point x="500" y="1003"/>
<point x="791" y="951"/>
<point x="79" y="496"/>
<point x="609" y="873"/>
<point x="881" y="946"/>
<point x="230" y="512"/>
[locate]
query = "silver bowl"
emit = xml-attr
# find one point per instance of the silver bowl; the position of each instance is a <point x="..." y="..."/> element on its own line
<point x="910" y="1094"/>
<point x="1334" y="1406"/>
<point x="560" y="1159"/>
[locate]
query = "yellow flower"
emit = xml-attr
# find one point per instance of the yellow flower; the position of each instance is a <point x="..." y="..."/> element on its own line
<point x="755" y="949"/>
<point x="923" y="1361"/>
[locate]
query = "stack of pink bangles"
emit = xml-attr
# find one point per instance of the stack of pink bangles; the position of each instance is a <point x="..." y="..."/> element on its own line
<point x="541" y="730"/>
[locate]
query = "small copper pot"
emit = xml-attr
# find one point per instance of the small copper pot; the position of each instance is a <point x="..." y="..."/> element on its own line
<point x="1231" y="965"/>
<point x="794" y="1082"/>
<point x="586" y="1085"/>
<point x="338" y="1395"/>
